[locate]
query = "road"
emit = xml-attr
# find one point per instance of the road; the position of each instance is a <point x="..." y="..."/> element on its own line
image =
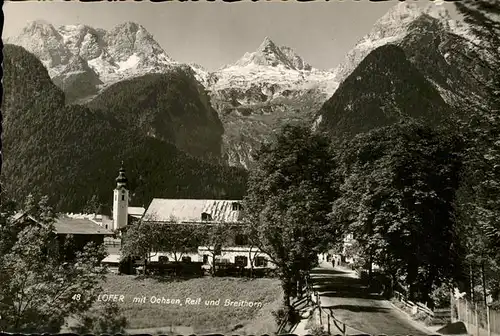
<point x="349" y="301"/>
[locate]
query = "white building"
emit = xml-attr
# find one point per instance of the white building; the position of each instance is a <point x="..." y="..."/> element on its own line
<point x="120" y="201"/>
<point x="186" y="212"/>
<point x="208" y="212"/>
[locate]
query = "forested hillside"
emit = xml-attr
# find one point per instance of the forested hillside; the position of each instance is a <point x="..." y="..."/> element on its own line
<point x="385" y="88"/>
<point x="172" y="107"/>
<point x="71" y="152"/>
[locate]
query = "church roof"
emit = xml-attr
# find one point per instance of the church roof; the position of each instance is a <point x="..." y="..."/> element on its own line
<point x="136" y="211"/>
<point x="191" y="210"/>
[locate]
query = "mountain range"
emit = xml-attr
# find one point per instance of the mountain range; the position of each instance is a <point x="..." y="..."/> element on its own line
<point x="415" y="63"/>
<point x="253" y="96"/>
<point x="432" y="73"/>
<point x="73" y="152"/>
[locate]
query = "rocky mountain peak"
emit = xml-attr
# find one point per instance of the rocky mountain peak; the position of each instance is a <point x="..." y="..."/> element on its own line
<point x="401" y="15"/>
<point x="268" y="46"/>
<point x="43" y="40"/>
<point x="130" y="38"/>
<point x="270" y="54"/>
<point x="402" y="12"/>
<point x="78" y="55"/>
<point x="437" y="11"/>
<point x="40" y="27"/>
<point x="197" y="66"/>
<point x="82" y="40"/>
<point x="400" y="21"/>
<point x="129" y="28"/>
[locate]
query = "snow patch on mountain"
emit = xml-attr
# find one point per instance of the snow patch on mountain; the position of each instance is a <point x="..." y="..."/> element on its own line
<point x="269" y="54"/>
<point x="316" y="123"/>
<point x="127" y="50"/>
<point x="243" y="77"/>
<point x="277" y="65"/>
<point x="130" y="63"/>
<point x="263" y="90"/>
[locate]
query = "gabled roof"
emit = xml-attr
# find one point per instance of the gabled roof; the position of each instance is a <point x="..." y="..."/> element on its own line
<point x="68" y="225"/>
<point x="136" y="211"/>
<point x="190" y="210"/>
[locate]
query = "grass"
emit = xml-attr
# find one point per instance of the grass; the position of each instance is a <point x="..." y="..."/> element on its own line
<point x="202" y="318"/>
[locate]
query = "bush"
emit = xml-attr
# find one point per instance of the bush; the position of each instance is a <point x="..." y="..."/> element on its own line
<point x="105" y="319"/>
<point x="282" y="313"/>
<point x="441" y="296"/>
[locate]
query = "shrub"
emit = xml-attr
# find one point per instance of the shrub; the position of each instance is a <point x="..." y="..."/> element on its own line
<point x="105" y="319"/>
<point x="281" y="313"/>
<point x="441" y="296"/>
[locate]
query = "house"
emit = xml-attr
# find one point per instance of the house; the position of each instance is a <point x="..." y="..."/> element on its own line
<point x="189" y="212"/>
<point x="205" y="212"/>
<point x="82" y="230"/>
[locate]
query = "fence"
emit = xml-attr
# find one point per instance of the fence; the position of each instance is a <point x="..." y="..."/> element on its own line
<point x="327" y="315"/>
<point x="477" y="317"/>
<point x="414" y="308"/>
<point x="285" y="325"/>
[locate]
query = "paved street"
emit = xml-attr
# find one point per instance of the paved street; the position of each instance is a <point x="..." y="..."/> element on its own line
<point x="350" y="302"/>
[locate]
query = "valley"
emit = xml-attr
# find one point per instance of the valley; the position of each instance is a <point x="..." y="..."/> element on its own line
<point x="220" y="118"/>
<point x="266" y="176"/>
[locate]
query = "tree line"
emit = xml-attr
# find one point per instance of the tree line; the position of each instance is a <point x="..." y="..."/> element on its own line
<point x="399" y="190"/>
<point x="422" y="202"/>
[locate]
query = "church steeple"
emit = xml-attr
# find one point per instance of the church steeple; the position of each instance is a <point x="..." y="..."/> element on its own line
<point x="120" y="200"/>
<point x="121" y="180"/>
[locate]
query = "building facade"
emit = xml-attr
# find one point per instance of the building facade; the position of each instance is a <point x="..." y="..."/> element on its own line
<point x="192" y="212"/>
<point x="205" y="213"/>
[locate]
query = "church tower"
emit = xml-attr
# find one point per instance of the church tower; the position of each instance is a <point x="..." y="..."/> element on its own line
<point x="120" y="201"/>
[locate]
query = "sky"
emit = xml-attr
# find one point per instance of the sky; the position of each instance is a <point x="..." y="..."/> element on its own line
<point x="215" y="34"/>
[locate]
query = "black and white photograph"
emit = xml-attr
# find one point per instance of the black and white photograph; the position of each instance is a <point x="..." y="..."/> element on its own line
<point x="250" y="168"/>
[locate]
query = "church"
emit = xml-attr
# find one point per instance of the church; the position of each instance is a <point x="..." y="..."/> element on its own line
<point x="185" y="212"/>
